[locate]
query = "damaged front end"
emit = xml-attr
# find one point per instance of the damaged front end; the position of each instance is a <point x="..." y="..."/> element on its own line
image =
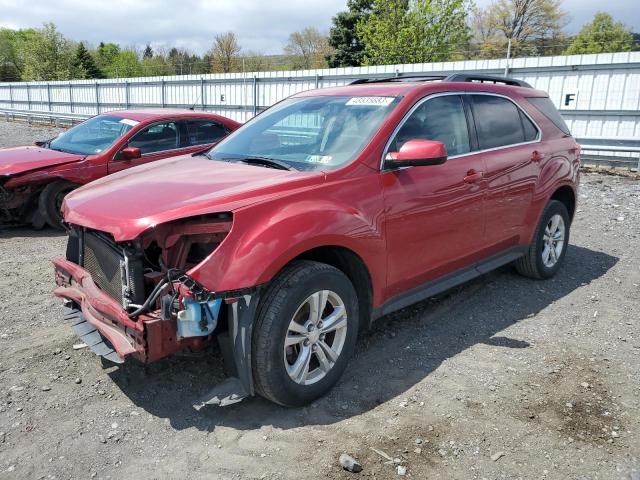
<point x="18" y="205"/>
<point x="137" y="299"/>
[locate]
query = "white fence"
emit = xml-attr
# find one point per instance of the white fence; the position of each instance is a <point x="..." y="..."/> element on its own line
<point x="598" y="95"/>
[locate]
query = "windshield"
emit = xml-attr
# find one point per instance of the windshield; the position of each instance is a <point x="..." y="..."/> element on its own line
<point x="93" y="136"/>
<point x="309" y="133"/>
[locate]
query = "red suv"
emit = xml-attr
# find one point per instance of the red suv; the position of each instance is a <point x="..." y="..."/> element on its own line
<point x="330" y="209"/>
<point x="34" y="180"/>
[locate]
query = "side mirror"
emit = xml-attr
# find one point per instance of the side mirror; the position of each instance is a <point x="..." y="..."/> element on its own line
<point x="131" y="153"/>
<point x="417" y="153"/>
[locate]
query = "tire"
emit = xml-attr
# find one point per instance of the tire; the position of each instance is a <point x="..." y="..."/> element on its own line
<point x="533" y="264"/>
<point x="50" y="202"/>
<point x="288" y="299"/>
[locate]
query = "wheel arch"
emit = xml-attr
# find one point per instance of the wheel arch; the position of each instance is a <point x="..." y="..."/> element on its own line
<point x="564" y="192"/>
<point x="566" y="196"/>
<point x="354" y="267"/>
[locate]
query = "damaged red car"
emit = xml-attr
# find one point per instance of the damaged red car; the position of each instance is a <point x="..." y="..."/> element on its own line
<point x="35" y="179"/>
<point x="328" y="210"/>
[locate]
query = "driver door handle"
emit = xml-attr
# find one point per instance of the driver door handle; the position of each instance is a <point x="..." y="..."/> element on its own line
<point x="473" y="176"/>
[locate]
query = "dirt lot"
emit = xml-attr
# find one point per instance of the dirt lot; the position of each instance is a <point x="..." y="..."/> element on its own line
<point x="502" y="378"/>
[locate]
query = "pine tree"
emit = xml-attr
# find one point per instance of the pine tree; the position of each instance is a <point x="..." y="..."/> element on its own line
<point x="148" y="52"/>
<point x="347" y="46"/>
<point x="85" y="64"/>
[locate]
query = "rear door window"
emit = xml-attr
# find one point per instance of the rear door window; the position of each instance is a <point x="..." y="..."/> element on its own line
<point x="200" y="132"/>
<point x="157" y="138"/>
<point x="498" y="122"/>
<point x="439" y="118"/>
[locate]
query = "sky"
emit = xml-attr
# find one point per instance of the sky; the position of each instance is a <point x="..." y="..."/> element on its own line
<point x="261" y="25"/>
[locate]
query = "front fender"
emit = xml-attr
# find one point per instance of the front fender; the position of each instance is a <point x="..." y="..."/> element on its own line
<point x="80" y="172"/>
<point x="264" y="238"/>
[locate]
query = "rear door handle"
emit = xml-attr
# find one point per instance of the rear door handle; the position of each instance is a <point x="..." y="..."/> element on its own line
<point x="473" y="176"/>
<point x="536" y="156"/>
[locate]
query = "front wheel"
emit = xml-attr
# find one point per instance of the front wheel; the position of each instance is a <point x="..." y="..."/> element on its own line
<point x="549" y="245"/>
<point x="305" y="333"/>
<point x="50" y="202"/>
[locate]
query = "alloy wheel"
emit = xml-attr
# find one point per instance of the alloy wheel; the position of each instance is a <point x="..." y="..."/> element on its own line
<point x="553" y="241"/>
<point x="315" y="337"/>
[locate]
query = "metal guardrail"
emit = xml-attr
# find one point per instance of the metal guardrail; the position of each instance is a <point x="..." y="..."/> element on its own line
<point x="592" y="149"/>
<point x="54" y="118"/>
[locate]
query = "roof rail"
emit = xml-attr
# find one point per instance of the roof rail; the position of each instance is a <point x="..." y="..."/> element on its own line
<point x="456" y="77"/>
<point x="399" y="78"/>
<point x="471" y="77"/>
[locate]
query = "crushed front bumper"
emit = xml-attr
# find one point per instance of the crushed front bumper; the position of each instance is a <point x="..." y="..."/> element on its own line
<point x="147" y="338"/>
<point x="96" y="314"/>
<point x="102" y="323"/>
<point x="90" y="335"/>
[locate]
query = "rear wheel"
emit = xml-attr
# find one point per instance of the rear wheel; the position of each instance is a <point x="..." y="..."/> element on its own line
<point x="50" y="202"/>
<point x="305" y="333"/>
<point x="547" y="251"/>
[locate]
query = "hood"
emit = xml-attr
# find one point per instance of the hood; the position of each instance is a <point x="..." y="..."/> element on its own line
<point x="22" y="159"/>
<point x="127" y="203"/>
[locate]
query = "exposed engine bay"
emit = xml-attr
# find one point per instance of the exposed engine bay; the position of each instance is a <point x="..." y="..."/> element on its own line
<point x="137" y="298"/>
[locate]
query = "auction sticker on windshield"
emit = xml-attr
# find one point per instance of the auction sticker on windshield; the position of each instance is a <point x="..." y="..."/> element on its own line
<point x="370" y="101"/>
<point x="131" y="123"/>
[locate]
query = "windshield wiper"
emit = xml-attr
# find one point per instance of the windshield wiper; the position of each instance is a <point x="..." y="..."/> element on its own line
<point x="267" y="162"/>
<point x="56" y="149"/>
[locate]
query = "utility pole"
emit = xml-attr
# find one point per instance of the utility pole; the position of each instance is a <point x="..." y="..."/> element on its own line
<point x="506" y="67"/>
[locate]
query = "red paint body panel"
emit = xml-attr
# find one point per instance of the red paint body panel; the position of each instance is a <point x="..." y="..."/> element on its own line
<point x="18" y="160"/>
<point x="408" y="226"/>
<point x="175" y="188"/>
<point x="434" y="222"/>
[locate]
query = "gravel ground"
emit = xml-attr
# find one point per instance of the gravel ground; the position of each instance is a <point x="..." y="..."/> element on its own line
<point x="504" y="377"/>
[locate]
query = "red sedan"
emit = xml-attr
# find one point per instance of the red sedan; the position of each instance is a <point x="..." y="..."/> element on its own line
<point x="35" y="179"/>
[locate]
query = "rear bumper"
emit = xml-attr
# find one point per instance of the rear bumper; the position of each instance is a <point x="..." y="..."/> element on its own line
<point x="147" y="338"/>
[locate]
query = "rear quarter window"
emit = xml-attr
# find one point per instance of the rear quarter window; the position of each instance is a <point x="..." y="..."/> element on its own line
<point x="549" y="110"/>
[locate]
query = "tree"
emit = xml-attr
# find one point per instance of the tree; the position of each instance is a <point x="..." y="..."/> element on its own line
<point x="106" y="54"/>
<point x="10" y="61"/>
<point x="399" y="31"/>
<point x="225" y="52"/>
<point x="308" y="48"/>
<point x="157" y="66"/>
<point x="181" y="61"/>
<point x="602" y="35"/>
<point x="255" y="62"/>
<point x="85" y="65"/>
<point x="47" y="55"/>
<point x="486" y="40"/>
<point x="148" y="52"/>
<point x="347" y="46"/>
<point x="124" y="64"/>
<point x="201" y="64"/>
<point x="533" y="26"/>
